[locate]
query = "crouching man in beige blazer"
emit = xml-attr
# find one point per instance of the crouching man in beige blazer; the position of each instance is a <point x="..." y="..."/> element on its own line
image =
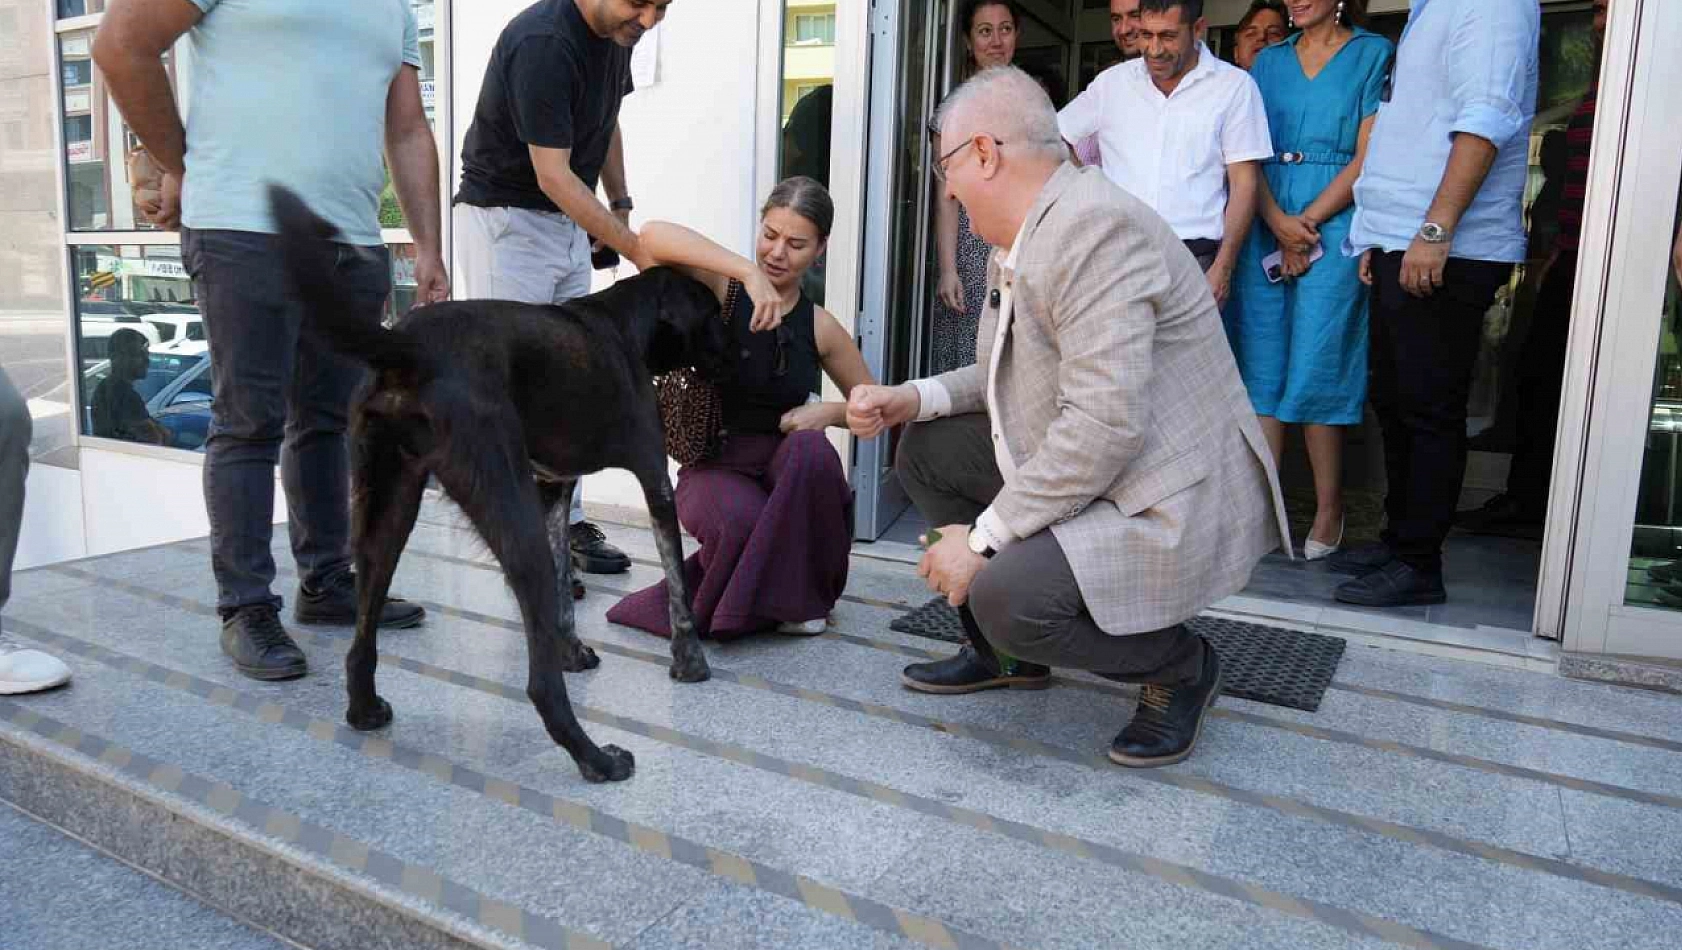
<point x="1099" y="474"/>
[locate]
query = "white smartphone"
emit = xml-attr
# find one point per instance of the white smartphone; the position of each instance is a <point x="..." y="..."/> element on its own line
<point x="1274" y="264"/>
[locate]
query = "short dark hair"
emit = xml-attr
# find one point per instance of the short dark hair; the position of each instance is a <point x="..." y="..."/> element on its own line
<point x="1257" y="8"/>
<point x="805" y="197"/>
<point x="1190" y="10"/>
<point x="976" y="6"/>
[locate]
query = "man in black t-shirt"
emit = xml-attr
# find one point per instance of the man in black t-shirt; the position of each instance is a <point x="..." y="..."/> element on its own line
<point x="118" y="411"/>
<point x="545" y="131"/>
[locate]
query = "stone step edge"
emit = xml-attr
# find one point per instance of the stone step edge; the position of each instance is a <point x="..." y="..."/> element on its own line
<point x="223" y="861"/>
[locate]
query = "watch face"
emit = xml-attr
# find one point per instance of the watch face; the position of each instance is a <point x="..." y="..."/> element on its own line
<point x="1432" y="233"/>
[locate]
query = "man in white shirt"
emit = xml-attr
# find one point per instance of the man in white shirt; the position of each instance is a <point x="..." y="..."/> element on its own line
<point x="1181" y="131"/>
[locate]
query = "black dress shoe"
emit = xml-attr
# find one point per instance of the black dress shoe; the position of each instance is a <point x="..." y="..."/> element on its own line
<point x="1396" y="584"/>
<point x="1169" y="719"/>
<point x="971" y="671"/>
<point x="335" y="605"/>
<point x="259" y="646"/>
<point x="592" y="554"/>
<point x="1361" y="559"/>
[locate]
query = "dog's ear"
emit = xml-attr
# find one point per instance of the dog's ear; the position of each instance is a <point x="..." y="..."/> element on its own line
<point x="688" y="328"/>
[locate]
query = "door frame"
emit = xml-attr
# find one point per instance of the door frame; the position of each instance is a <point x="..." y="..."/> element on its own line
<point x="1636" y="170"/>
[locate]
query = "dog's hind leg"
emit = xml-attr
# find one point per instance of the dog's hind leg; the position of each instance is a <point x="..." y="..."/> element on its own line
<point x="488" y="474"/>
<point x="575" y="656"/>
<point x="385" y="500"/>
<point x="689" y="663"/>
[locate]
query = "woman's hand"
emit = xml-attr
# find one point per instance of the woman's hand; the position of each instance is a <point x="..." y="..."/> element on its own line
<point x="767" y="302"/>
<point x="1294" y="264"/>
<point x="952" y="290"/>
<point x="1295" y="233"/>
<point x="812" y="417"/>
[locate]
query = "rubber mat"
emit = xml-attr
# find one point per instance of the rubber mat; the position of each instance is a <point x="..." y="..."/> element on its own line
<point x="1270" y="665"/>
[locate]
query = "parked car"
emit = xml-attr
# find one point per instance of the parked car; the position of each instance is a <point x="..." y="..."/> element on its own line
<point x="176" y="390"/>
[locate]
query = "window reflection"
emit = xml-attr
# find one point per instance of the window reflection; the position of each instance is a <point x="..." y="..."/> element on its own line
<point x="97" y="143"/>
<point x="1655" y="563"/>
<point x="808" y="96"/>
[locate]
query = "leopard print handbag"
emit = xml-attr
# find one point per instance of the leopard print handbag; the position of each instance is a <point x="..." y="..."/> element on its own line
<point x="691" y="410"/>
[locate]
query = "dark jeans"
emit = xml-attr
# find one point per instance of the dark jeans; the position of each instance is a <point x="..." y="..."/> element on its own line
<point x="16" y="429"/>
<point x="280" y="395"/>
<point x="1026" y="601"/>
<point x="1541" y="379"/>
<point x="1421" y="358"/>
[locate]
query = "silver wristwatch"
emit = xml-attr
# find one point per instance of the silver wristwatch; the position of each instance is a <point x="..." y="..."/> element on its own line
<point x="1433" y="233"/>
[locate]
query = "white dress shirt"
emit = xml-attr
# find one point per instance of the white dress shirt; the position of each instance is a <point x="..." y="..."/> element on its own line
<point x="1171" y="152"/>
<point x="937" y="402"/>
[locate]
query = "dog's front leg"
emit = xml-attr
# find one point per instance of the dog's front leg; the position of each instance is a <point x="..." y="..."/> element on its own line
<point x="689" y="663"/>
<point x="557" y="498"/>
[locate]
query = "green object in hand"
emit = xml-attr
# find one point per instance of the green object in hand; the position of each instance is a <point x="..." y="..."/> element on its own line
<point x="931" y="539"/>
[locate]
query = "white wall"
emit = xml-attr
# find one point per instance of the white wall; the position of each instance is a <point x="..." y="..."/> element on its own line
<point x="689" y="138"/>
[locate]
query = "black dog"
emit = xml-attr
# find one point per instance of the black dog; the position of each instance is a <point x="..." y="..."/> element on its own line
<point x="507" y="405"/>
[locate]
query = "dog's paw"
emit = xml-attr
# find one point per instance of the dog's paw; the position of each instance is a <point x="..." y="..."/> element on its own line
<point x="579" y="658"/>
<point x="691" y="669"/>
<point x="367" y="720"/>
<point x="614" y="765"/>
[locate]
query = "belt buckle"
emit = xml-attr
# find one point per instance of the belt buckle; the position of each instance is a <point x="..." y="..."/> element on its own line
<point x="1291" y="158"/>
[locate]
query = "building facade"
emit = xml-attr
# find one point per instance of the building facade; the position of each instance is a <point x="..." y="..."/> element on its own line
<point x="734" y="94"/>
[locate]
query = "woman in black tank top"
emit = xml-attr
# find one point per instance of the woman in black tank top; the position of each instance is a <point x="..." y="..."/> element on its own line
<point x="772" y="509"/>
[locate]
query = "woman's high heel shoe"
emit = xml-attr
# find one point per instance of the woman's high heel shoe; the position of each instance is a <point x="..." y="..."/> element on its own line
<point x="1313" y="550"/>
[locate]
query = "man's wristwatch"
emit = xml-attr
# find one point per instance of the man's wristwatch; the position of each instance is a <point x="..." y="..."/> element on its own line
<point x="979" y="544"/>
<point x="621" y="204"/>
<point x="1433" y="233"/>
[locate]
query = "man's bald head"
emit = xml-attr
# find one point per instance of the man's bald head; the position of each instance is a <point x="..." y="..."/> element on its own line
<point x="1007" y="104"/>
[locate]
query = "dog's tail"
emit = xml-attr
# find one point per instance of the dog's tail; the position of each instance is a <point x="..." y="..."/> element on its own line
<point x="309" y="255"/>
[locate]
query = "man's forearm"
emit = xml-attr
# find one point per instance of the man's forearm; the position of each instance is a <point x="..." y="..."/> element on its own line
<point x="613" y="169"/>
<point x="1469" y="162"/>
<point x="412" y="155"/>
<point x="581" y="205"/>
<point x="139" y="85"/>
<point x="1240" y="212"/>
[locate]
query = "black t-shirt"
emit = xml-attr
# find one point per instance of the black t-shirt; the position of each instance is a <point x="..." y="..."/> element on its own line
<point x="119" y="412"/>
<point x="552" y="83"/>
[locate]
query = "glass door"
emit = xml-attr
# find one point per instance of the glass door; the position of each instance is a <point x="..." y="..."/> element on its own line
<point x="1625" y="590"/>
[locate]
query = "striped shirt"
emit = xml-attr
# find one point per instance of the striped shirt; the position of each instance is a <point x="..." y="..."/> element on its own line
<point x="1579" y="133"/>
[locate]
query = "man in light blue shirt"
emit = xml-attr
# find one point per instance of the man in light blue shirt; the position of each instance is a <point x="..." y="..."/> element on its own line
<point x="310" y="94"/>
<point x="1439" y="219"/>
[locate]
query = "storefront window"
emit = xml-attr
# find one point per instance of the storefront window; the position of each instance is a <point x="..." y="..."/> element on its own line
<point x="391" y="211"/>
<point x="97" y="143"/>
<point x="808" y="95"/>
<point x="142" y="350"/>
<point x="1655" y="563"/>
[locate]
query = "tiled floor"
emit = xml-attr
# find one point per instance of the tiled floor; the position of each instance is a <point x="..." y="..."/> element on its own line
<point x="803" y="798"/>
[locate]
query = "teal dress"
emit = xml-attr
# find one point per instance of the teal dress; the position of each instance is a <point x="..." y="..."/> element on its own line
<point x="1302" y="344"/>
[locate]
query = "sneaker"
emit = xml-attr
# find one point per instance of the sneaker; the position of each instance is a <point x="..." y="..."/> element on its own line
<point x="592" y="554"/>
<point x="1168" y="720"/>
<point x="259" y="646"/>
<point x="1396" y="584"/>
<point x="28" y="670"/>
<point x="1362" y="559"/>
<point x="806" y="628"/>
<point x="335" y="605"/>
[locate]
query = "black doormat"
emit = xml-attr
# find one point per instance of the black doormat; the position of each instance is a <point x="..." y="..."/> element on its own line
<point x="1265" y="664"/>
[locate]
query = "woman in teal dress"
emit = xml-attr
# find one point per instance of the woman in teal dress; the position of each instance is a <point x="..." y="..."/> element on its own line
<point x="1301" y="342"/>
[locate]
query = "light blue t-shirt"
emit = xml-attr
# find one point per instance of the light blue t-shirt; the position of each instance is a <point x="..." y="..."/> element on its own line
<point x="1462" y="66"/>
<point x="293" y="92"/>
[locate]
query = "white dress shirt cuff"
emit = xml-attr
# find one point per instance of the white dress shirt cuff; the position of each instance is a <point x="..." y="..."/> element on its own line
<point x="993" y="531"/>
<point x="936" y="401"/>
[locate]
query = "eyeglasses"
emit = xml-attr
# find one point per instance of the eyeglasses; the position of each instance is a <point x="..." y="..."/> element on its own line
<point x="940" y="163"/>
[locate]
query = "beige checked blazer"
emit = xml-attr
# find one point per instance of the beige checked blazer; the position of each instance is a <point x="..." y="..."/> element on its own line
<point x="1121" y="405"/>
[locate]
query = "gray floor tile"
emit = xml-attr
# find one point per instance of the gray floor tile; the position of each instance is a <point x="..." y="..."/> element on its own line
<point x="60" y="894"/>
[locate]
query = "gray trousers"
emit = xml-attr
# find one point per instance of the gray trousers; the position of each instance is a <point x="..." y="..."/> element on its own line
<point x="280" y="396"/>
<point x="526" y="256"/>
<point x="1026" y="601"/>
<point x="16" y="430"/>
